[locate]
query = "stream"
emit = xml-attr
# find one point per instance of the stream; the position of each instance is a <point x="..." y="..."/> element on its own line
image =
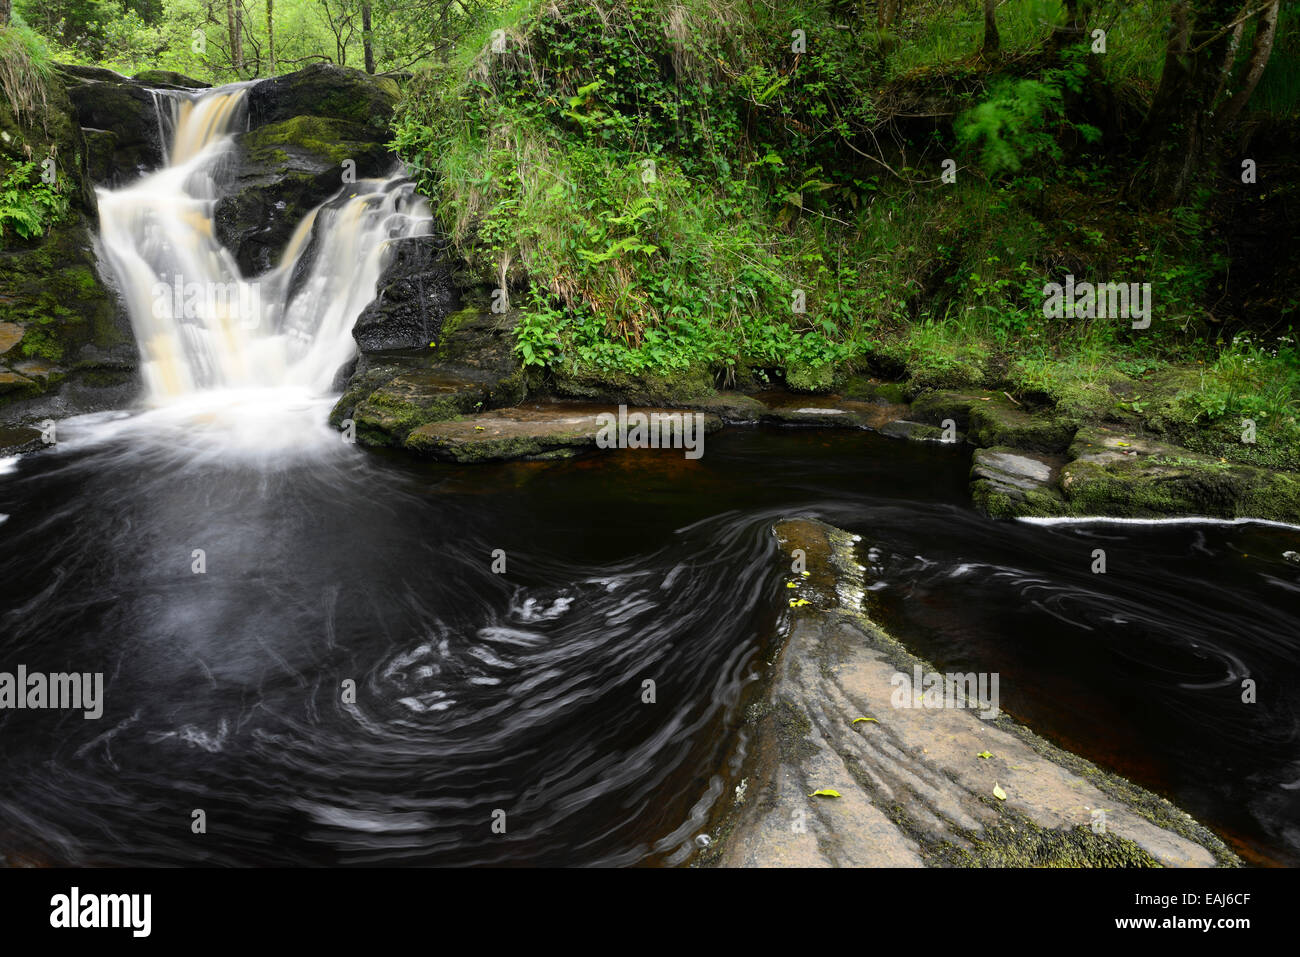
<point x="314" y="654"/>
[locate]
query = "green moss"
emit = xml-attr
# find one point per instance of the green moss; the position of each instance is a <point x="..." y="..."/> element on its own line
<point x="555" y="445"/>
<point x="40" y="342"/>
<point x="807" y="377"/>
<point x="1181" y="486"/>
<point x="332" y="140"/>
<point x="996" y="502"/>
<point x="669" y="388"/>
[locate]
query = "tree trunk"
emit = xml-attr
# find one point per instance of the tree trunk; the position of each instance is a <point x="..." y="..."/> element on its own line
<point x="887" y="12"/>
<point x="1178" y="123"/>
<point x="1261" y="49"/>
<point x="1229" y="59"/>
<point x="230" y="27"/>
<point x="237" y="50"/>
<point x="235" y="27"/>
<point x="270" y="35"/>
<point x="367" y="43"/>
<point x="5" y="12"/>
<point x="992" y="42"/>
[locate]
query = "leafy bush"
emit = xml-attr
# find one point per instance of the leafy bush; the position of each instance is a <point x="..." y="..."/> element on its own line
<point x="29" y="205"/>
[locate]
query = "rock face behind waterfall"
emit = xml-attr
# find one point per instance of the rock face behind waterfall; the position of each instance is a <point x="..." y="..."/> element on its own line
<point x="307" y="131"/>
<point x="66" y="345"/>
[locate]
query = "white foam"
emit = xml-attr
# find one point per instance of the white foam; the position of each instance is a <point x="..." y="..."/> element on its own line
<point x="1188" y="520"/>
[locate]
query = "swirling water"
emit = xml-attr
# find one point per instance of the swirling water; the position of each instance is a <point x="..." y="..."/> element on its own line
<point x="320" y="649"/>
<point x="522" y="691"/>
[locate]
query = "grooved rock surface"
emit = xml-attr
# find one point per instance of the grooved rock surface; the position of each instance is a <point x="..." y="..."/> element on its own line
<point x="914" y="789"/>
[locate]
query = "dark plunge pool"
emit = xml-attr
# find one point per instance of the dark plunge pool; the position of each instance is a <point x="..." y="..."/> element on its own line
<point x="521" y="692"/>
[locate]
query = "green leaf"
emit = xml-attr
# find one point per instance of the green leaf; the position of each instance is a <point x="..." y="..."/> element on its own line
<point x="984" y="754"/>
<point x="998" y="793"/>
<point x="856" y="720"/>
<point x="825" y="793"/>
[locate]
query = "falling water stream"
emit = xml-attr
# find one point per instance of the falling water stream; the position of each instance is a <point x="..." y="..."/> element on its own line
<point x="326" y="568"/>
<point x="206" y="331"/>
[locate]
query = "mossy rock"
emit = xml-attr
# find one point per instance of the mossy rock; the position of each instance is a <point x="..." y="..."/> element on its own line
<point x="170" y="78"/>
<point x="542" y="431"/>
<point x="325" y="90"/>
<point x="810" y="378"/>
<point x="869" y="390"/>
<point x="1001" y="422"/>
<point x="992" y="419"/>
<point x="1007" y="483"/>
<point x="126" y="110"/>
<point x="391" y="412"/>
<point x="71" y="325"/>
<point x="1118" y="474"/>
<point x="283" y="170"/>
<point x="316" y="142"/>
<point x="674" y="388"/>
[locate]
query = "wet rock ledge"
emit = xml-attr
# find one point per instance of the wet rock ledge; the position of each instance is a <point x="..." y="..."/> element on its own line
<point x="917" y="787"/>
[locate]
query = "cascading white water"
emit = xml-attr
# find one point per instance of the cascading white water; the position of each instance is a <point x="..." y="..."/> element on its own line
<point x="204" y="329"/>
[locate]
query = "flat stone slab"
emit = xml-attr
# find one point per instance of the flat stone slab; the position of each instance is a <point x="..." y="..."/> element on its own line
<point x="10" y="335"/>
<point x="12" y="381"/>
<point x="919" y="432"/>
<point x="904" y="784"/>
<point x="1116" y="473"/>
<point x="543" y="430"/>
<point x="18" y="439"/>
<point x="1023" y="471"/>
<point x="994" y="418"/>
<point x="826" y="411"/>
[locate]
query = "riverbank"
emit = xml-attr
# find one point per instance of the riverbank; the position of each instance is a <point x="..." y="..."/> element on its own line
<point x="844" y="767"/>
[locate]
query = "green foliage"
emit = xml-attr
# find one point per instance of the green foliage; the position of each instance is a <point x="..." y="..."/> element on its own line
<point x="1018" y="121"/>
<point x="1252" y="381"/>
<point x="28" y="205"/>
<point x="606" y="153"/>
<point x="25" y="69"/>
<point x="1008" y="127"/>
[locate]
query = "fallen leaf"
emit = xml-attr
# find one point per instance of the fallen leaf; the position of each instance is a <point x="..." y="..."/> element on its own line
<point x="825" y="793"/>
<point x="856" y="720"/>
<point x="984" y="754"/>
<point x="998" y="793"/>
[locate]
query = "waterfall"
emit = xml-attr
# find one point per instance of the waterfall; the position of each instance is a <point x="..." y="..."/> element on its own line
<point x="202" y="326"/>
